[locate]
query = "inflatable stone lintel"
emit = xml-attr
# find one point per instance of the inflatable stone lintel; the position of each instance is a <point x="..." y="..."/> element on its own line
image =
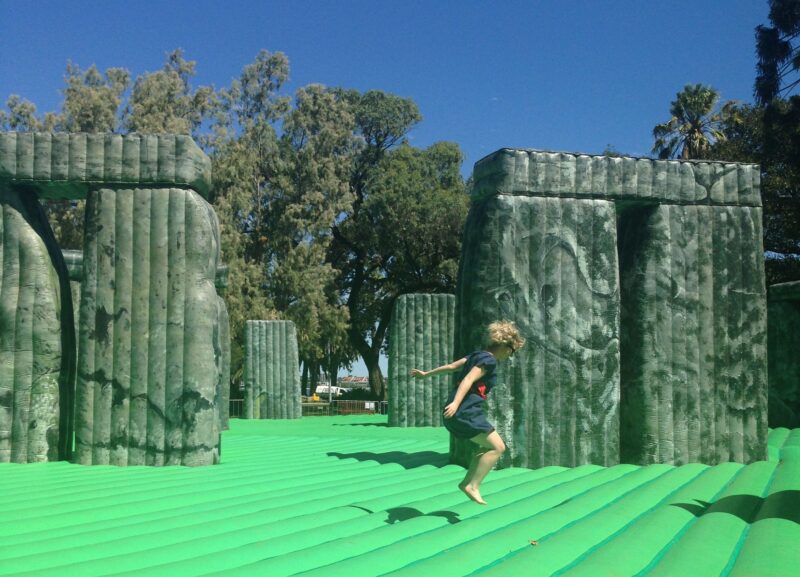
<point x="65" y="165"/>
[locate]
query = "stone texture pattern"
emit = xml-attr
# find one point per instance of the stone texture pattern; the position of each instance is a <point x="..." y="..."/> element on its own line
<point x="148" y="366"/>
<point x="154" y="338"/>
<point x="619" y="270"/>
<point x="32" y="428"/>
<point x="542" y="173"/>
<point x="63" y="165"/>
<point x="271" y="370"/>
<point x="420" y="336"/>
<point x="551" y="267"/>
<point x="784" y="363"/>
<point x="694" y="335"/>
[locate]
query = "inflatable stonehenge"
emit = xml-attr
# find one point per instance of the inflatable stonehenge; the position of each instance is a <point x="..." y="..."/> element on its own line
<point x="144" y="383"/>
<point x="639" y="286"/>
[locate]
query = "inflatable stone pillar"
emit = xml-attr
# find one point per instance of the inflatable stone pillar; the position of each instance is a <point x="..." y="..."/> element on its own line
<point x="639" y="286"/>
<point x="148" y="375"/>
<point x="420" y="336"/>
<point x="223" y="351"/>
<point x="271" y="370"/>
<point x="783" y="310"/>
<point x="37" y="359"/>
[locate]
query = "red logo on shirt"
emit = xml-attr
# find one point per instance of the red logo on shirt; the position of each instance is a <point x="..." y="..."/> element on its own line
<point x="482" y="390"/>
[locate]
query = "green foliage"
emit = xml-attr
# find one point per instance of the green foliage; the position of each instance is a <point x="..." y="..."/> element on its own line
<point x="21" y="115"/>
<point x="764" y="136"/>
<point x="162" y="102"/>
<point x="326" y="213"/>
<point x="778" y="49"/>
<point x="91" y="99"/>
<point x="694" y="126"/>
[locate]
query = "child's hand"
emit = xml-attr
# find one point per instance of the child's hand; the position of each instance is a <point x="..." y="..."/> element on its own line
<point x="450" y="410"/>
<point x="417" y="373"/>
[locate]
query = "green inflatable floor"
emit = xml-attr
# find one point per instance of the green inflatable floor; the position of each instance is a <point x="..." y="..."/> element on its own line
<point x="350" y="496"/>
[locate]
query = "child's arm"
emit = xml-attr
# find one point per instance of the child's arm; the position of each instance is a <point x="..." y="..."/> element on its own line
<point x="454" y="366"/>
<point x="463" y="388"/>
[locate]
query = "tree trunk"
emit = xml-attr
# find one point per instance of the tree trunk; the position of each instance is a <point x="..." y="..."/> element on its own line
<point x="376" y="383"/>
<point x="304" y="380"/>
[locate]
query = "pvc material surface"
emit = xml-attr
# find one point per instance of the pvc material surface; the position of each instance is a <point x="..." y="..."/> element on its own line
<point x="349" y="496"/>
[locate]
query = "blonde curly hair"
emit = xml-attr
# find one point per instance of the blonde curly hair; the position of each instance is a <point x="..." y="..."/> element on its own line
<point x="504" y="333"/>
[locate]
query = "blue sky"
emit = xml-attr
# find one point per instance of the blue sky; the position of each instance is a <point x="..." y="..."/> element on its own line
<point x="556" y="75"/>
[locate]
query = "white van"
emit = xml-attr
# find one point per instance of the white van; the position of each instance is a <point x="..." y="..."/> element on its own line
<point x="322" y="390"/>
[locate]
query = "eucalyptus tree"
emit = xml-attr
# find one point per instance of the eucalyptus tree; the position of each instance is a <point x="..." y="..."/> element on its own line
<point x="403" y="233"/>
<point x="163" y="102"/>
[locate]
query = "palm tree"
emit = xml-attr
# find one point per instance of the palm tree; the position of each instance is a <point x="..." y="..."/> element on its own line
<point x="694" y="125"/>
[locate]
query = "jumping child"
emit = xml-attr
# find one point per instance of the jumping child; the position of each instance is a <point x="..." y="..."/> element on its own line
<point x="463" y="414"/>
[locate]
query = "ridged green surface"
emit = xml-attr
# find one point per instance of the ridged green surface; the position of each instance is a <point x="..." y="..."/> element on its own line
<point x="783" y="311"/>
<point x="271" y="370"/>
<point x="148" y="367"/>
<point x="619" y="270"/>
<point x="64" y="165"/>
<point x="550" y="266"/>
<point x="351" y="497"/>
<point x="30" y="337"/>
<point x="693" y="336"/>
<point x="420" y="336"/>
<point x="543" y="173"/>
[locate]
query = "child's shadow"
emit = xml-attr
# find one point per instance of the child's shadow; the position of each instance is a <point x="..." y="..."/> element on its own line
<point x="399" y="514"/>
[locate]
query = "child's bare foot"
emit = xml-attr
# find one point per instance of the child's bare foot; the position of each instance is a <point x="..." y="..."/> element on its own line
<point x="472" y="493"/>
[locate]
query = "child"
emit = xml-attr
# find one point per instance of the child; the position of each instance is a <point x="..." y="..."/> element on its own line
<point x="463" y="414"/>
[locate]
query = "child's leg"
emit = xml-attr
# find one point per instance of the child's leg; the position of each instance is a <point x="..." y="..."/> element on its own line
<point x="473" y="464"/>
<point x="482" y="463"/>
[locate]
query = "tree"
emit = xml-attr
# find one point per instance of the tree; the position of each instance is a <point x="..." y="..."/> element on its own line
<point x="694" y="126"/>
<point x="778" y="48"/>
<point x="778" y="132"/>
<point x="92" y="100"/>
<point x="748" y="140"/>
<point x="402" y="236"/>
<point x="162" y="102"/>
<point x="308" y="191"/>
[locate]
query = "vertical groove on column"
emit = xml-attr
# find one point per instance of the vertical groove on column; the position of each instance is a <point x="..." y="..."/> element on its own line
<point x="23" y="350"/>
<point x="584" y="242"/>
<point x="84" y="393"/>
<point x="249" y="385"/>
<point x="569" y="280"/>
<point x="692" y="341"/>
<point x="173" y="434"/>
<point x="721" y="347"/>
<point x="140" y="330"/>
<point x="738" y="404"/>
<point x="705" y="321"/>
<point x="122" y="344"/>
<point x="158" y="306"/>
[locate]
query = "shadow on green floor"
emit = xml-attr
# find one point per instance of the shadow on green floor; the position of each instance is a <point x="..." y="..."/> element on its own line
<point x="779" y="505"/>
<point x="400" y="514"/>
<point x="405" y="460"/>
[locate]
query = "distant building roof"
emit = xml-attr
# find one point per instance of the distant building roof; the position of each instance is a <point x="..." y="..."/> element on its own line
<point x="351" y="380"/>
